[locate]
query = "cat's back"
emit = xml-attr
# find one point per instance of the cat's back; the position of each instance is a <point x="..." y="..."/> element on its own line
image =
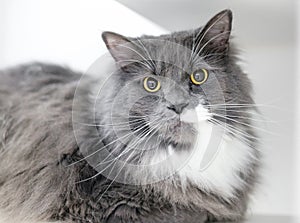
<point x="33" y="77"/>
<point x="35" y="131"/>
<point x="33" y="81"/>
<point x="36" y="95"/>
<point x="36" y="90"/>
<point x="34" y="98"/>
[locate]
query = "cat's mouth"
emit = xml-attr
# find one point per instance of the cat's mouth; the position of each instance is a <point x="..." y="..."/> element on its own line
<point x="172" y="131"/>
<point x="179" y="133"/>
<point x="177" y="126"/>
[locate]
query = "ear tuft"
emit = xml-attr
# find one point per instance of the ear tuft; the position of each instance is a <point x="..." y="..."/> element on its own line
<point x="121" y="48"/>
<point x="113" y="40"/>
<point x="216" y="33"/>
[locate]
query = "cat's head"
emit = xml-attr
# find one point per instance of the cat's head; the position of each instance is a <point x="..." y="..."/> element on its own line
<point x="165" y="87"/>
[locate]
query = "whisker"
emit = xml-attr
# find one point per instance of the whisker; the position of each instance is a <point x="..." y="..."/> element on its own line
<point x="157" y="129"/>
<point x="249" y="118"/>
<point x="125" y="136"/>
<point x="240" y="131"/>
<point x="147" y="52"/>
<point x="242" y="123"/>
<point x="213" y="38"/>
<point x="114" y="178"/>
<point x="204" y="34"/>
<point x="145" y="60"/>
<point x="237" y="105"/>
<point x="112" y="160"/>
<point x="241" y="135"/>
<point x="146" y="65"/>
<point x="239" y="111"/>
<point x="128" y="148"/>
<point x="113" y="124"/>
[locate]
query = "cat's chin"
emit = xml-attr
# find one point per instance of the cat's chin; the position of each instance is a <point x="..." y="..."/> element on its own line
<point x="178" y="134"/>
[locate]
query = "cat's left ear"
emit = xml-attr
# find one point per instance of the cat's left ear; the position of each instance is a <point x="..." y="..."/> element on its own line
<point x="121" y="48"/>
<point x="214" y="36"/>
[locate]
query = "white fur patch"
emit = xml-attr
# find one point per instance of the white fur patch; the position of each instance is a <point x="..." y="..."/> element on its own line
<point x="213" y="162"/>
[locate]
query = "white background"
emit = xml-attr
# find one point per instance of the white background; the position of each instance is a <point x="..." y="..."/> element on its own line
<point x="65" y="32"/>
<point x="69" y="32"/>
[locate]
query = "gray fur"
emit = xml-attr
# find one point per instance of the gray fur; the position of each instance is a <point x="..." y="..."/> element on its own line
<point x="37" y="148"/>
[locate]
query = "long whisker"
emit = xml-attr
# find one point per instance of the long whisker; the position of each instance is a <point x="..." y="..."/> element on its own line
<point x="249" y="118"/>
<point x="111" y="162"/>
<point x="147" y="52"/>
<point x="164" y="142"/>
<point x="119" y="172"/>
<point x="157" y="129"/>
<point x="225" y="110"/>
<point x="235" y="105"/>
<point x="237" y="130"/>
<point x="241" y="105"/>
<point x="245" y="137"/>
<point x="114" y="177"/>
<point x="212" y="39"/>
<point x="242" y="123"/>
<point x="113" y="124"/>
<point x="204" y="34"/>
<point x="145" y="60"/>
<point x="140" y="135"/>
<point x="125" y="136"/>
<point x="146" y="65"/>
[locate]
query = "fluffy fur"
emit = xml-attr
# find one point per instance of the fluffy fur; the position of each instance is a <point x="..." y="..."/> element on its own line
<point x="44" y="168"/>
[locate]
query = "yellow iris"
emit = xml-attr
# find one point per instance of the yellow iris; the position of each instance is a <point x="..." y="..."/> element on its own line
<point x="199" y="77"/>
<point x="151" y="84"/>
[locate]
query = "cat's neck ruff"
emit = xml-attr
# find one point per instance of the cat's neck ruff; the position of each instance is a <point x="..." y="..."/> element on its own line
<point x="214" y="163"/>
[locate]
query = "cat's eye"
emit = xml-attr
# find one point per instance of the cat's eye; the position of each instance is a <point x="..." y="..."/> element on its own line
<point x="199" y="77"/>
<point x="151" y="84"/>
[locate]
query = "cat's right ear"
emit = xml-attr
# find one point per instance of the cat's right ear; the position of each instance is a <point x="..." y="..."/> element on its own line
<point x="121" y="48"/>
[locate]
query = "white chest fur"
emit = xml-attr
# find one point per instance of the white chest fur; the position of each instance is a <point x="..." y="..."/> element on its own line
<point x="213" y="163"/>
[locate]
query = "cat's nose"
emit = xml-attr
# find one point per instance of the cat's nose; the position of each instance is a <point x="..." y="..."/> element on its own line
<point x="178" y="108"/>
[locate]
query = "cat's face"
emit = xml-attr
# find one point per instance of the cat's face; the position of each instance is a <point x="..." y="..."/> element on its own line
<point x="166" y="86"/>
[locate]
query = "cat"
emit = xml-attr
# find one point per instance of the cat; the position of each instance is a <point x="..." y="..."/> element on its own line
<point x="132" y="150"/>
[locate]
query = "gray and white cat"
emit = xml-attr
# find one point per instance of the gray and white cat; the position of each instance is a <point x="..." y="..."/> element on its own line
<point x="132" y="150"/>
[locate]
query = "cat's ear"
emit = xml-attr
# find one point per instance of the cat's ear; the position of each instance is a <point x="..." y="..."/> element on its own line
<point x="214" y="36"/>
<point x="121" y="48"/>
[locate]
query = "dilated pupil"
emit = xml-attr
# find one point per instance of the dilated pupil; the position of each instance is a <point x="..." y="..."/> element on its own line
<point x="151" y="84"/>
<point x="199" y="76"/>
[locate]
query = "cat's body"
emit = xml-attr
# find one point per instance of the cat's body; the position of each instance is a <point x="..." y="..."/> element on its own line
<point x="42" y="163"/>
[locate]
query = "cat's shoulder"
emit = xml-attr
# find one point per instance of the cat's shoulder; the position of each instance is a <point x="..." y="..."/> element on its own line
<point x="36" y="72"/>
